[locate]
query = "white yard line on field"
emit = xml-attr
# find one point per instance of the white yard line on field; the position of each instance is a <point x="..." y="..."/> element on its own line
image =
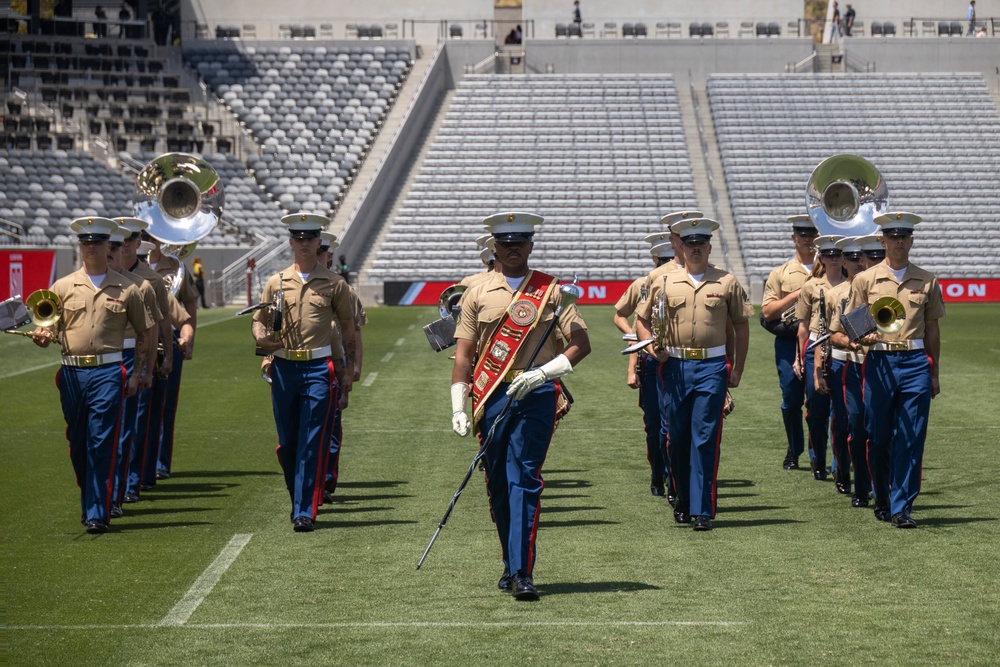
<point x="388" y="357"/>
<point x="369" y="379"/>
<point x="204" y="584"/>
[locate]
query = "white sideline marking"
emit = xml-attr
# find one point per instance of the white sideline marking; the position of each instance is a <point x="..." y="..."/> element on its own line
<point x="411" y="327"/>
<point x="400" y="342"/>
<point x="51" y="364"/>
<point x="370" y="379"/>
<point x="204" y="584"/>
<point x="411" y="624"/>
<point x="388" y="357"/>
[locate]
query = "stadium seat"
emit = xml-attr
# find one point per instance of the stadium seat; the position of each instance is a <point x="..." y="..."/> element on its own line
<point x="573" y="30"/>
<point x="761" y="29"/>
<point x="587" y="29"/>
<point x="628" y="30"/>
<point x="641" y="30"/>
<point x="956" y="29"/>
<point x="694" y="30"/>
<point x="661" y="29"/>
<point x="610" y="29"/>
<point x="876" y="29"/>
<point x="455" y="31"/>
<point x="889" y="28"/>
<point x="773" y="29"/>
<point x="943" y="29"/>
<point x="562" y="30"/>
<point x="707" y="30"/>
<point x="722" y="29"/>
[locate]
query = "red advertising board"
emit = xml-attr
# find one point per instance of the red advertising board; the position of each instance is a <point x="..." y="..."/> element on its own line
<point x="24" y="271"/>
<point x="594" y="292"/>
<point x="970" y="289"/>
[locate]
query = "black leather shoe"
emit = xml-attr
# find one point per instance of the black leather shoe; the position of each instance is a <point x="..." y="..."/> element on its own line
<point x="671" y="500"/>
<point x="702" y="523"/>
<point x="656" y="487"/>
<point x="116" y="511"/>
<point x="859" y="501"/>
<point x="524" y="588"/>
<point x="682" y="516"/>
<point x="146" y="486"/>
<point x="162" y="473"/>
<point x="903" y="520"/>
<point x="506" y="581"/>
<point x="881" y="513"/>
<point x="819" y="471"/>
<point x="843" y="485"/>
<point x="327" y="497"/>
<point x="303" y="524"/>
<point x="98" y="527"/>
<point x="791" y="463"/>
<point x="131" y="497"/>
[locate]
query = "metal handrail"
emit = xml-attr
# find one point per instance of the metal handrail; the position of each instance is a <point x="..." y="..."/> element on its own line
<point x="801" y="65"/>
<point x="12" y="229"/>
<point x="233" y="277"/>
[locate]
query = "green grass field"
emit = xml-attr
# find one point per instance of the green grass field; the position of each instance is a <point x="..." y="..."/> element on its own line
<point x="790" y="576"/>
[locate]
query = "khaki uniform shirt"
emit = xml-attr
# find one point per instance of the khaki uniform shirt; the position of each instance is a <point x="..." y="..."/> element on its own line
<point x="657" y="273"/>
<point x="177" y="312"/>
<point x="485" y="306"/>
<point x="697" y="316"/>
<point x="93" y="321"/>
<point x="807" y="307"/>
<point x="159" y="287"/>
<point x="471" y="281"/>
<point x="167" y="266"/>
<point x="633" y="296"/>
<point x="784" y="280"/>
<point x="309" y="308"/>
<point x="360" y="319"/>
<point x="919" y="293"/>
<point x="148" y="298"/>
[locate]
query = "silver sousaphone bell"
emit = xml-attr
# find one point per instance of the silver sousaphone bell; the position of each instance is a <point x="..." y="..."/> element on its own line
<point x="844" y="196"/>
<point x="441" y="332"/>
<point x="181" y="197"/>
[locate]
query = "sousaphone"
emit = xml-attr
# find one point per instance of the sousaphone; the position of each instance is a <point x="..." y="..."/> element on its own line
<point x="844" y="196"/>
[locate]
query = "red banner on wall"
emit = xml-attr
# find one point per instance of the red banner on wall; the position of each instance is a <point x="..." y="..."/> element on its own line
<point x="24" y="271"/>
<point x="970" y="289"/>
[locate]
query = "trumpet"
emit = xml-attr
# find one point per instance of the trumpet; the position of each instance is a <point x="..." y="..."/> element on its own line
<point x="44" y="308"/>
<point x="889" y="314"/>
<point x="788" y="314"/>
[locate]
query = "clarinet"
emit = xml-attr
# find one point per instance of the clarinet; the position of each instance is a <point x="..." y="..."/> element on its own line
<point x="824" y="329"/>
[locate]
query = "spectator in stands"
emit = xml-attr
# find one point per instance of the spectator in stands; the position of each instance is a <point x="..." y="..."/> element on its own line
<point x="835" y="27"/>
<point x="972" y="18"/>
<point x="519" y="33"/>
<point x="511" y="37"/>
<point x="161" y="24"/>
<point x="199" y="279"/>
<point x="576" y="12"/>
<point x="344" y="269"/>
<point x="100" y="27"/>
<point x="848" y="20"/>
<point x="123" y="15"/>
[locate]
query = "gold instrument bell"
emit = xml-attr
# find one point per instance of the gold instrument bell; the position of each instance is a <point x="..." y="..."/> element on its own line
<point x="889" y="314"/>
<point x="45" y="307"/>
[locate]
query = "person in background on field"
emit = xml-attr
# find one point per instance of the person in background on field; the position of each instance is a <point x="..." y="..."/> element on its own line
<point x="199" y="279"/>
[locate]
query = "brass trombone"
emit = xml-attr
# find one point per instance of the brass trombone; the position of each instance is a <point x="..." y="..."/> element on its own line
<point x="44" y="308"/>
<point x="889" y="314"/>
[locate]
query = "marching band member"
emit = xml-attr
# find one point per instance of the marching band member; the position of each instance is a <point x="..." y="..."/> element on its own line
<point x="901" y="370"/>
<point x="132" y="249"/>
<point x="872" y="248"/>
<point x="702" y="302"/>
<point x="827" y="274"/>
<point x="781" y="292"/>
<point x="643" y="368"/>
<point x="140" y="362"/>
<point x="97" y="306"/>
<point x="845" y="386"/>
<point x="328" y="243"/>
<point x="503" y="322"/>
<point x="164" y="422"/>
<point x="304" y="388"/>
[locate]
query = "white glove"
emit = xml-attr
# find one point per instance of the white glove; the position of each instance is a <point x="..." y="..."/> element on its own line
<point x="459" y="397"/>
<point x="528" y="381"/>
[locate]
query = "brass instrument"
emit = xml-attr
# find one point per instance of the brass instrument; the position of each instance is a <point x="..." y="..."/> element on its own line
<point x="44" y="308"/>
<point x="889" y="314"/>
<point x="788" y="314"/>
<point x="441" y="332"/>
<point x="658" y="321"/>
<point x="845" y="194"/>
<point x="181" y="197"/>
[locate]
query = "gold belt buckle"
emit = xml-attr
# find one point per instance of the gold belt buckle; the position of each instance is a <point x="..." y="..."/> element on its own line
<point x="694" y="353"/>
<point x="88" y="360"/>
<point x="899" y="345"/>
<point x="299" y="355"/>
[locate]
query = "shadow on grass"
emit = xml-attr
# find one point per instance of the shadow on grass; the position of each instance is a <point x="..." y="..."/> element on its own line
<point x="147" y="511"/>
<point x="561" y="471"/>
<point x="574" y="523"/>
<point x="153" y="526"/>
<point x="748" y="523"/>
<point x="736" y="495"/>
<point x="353" y="510"/>
<point x="222" y="473"/>
<point x="946" y="521"/>
<point x="153" y="496"/>
<point x="326" y="523"/>
<point x="567" y="484"/>
<point x="571" y="508"/>
<point x="337" y="498"/>
<point x="733" y="483"/>
<point x="596" y="587"/>
<point x="206" y="487"/>
<point x="379" y="484"/>
<point x="922" y="507"/>
<point x="752" y="508"/>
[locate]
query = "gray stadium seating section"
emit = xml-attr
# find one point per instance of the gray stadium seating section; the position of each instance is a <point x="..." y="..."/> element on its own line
<point x="602" y="158"/>
<point x="314" y="110"/>
<point x="934" y="137"/>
